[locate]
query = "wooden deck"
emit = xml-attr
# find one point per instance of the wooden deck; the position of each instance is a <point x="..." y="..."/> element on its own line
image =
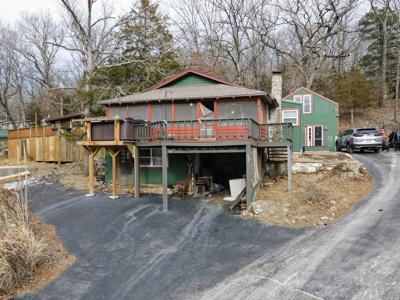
<point x="194" y="136"/>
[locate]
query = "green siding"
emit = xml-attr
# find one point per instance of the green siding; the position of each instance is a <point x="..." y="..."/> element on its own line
<point x="191" y="79"/>
<point x="323" y="113"/>
<point x="177" y="170"/>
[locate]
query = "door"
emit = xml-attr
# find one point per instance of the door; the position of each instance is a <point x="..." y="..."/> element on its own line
<point x="318" y="136"/>
<point x="309" y="136"/>
<point x="314" y="136"/>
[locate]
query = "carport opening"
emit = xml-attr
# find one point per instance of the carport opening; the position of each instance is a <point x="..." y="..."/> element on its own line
<point x="222" y="167"/>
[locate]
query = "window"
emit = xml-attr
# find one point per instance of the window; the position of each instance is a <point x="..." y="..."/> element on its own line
<point x="307" y="104"/>
<point x="297" y="98"/>
<point x="290" y="116"/>
<point x="150" y="157"/>
<point x="125" y="162"/>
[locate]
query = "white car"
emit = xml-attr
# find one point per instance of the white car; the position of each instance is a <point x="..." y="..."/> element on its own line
<point x="360" y="139"/>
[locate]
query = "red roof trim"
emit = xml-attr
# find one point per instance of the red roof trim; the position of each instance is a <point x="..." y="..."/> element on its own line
<point x="185" y="72"/>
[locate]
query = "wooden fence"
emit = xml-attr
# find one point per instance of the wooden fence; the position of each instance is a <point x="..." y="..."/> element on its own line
<point x="44" y="144"/>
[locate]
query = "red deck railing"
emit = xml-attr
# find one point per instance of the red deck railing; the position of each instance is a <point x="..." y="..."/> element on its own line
<point x="191" y="130"/>
<point x="208" y="130"/>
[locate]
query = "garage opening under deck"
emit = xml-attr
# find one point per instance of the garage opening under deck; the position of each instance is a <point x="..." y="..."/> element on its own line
<point x="222" y="149"/>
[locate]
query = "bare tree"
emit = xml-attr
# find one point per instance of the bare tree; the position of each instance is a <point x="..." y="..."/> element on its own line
<point x="89" y="33"/>
<point x="305" y="32"/>
<point x="219" y="34"/>
<point x="383" y="19"/>
<point x="8" y="64"/>
<point x="36" y="32"/>
<point x="396" y="6"/>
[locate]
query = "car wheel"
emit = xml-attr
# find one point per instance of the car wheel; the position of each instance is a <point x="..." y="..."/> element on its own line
<point x="377" y="150"/>
<point x="349" y="148"/>
<point x="338" y="148"/>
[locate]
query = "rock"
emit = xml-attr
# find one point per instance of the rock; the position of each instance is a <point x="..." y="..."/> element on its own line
<point x="272" y="211"/>
<point x="258" y="208"/>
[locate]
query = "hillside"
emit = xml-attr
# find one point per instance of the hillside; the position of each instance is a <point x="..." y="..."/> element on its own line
<point x="370" y="117"/>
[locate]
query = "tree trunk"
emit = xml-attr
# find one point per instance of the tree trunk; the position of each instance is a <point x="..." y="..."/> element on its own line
<point x="383" y="97"/>
<point x="351" y="116"/>
<point x="3" y="103"/>
<point x="396" y="100"/>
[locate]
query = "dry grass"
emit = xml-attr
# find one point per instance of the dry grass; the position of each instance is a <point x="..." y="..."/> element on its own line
<point x="316" y="199"/>
<point x="21" y="250"/>
<point x="27" y="247"/>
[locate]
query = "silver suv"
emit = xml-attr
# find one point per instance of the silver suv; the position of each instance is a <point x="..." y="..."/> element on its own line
<point x="360" y="139"/>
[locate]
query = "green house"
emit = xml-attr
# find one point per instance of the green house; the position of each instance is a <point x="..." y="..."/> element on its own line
<point x="314" y="118"/>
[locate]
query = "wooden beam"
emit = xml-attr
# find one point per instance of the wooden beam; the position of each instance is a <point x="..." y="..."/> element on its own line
<point x="248" y="176"/>
<point x="117" y="126"/>
<point x="114" y="154"/>
<point x="136" y="172"/>
<point x="165" y="177"/>
<point x="88" y="131"/>
<point x="289" y="167"/>
<point x="92" y="151"/>
<point x="91" y="174"/>
<point x="135" y="154"/>
<point x="102" y="143"/>
<point x="14" y="177"/>
<point x="192" y="150"/>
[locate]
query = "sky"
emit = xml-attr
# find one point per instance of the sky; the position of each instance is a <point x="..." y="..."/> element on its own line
<point x="12" y="9"/>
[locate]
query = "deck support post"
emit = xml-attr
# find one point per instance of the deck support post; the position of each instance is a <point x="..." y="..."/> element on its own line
<point x="165" y="177"/>
<point x="289" y="167"/>
<point x="136" y="171"/>
<point x="134" y="150"/>
<point x="248" y="176"/>
<point x="114" y="155"/>
<point x="91" y="155"/>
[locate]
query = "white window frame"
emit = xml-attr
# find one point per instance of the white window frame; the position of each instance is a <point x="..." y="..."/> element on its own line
<point x="304" y="111"/>
<point x="291" y="110"/>
<point x="298" y="97"/>
<point x="310" y="140"/>
<point x="151" y="157"/>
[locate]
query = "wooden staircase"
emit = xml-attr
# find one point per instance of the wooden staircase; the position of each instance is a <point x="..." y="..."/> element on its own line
<point x="276" y="154"/>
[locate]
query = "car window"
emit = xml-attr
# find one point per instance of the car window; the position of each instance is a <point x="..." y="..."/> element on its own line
<point x="348" y="131"/>
<point x="367" y="131"/>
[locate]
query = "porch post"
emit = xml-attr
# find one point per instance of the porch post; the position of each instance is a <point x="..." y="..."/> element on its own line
<point x="248" y="175"/>
<point x="114" y="155"/>
<point x="91" y="175"/>
<point x="165" y="177"/>
<point x="136" y="172"/>
<point x="92" y="153"/>
<point x="289" y="166"/>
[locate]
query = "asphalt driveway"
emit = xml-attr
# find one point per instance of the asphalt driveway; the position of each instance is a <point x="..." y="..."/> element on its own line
<point x="129" y="249"/>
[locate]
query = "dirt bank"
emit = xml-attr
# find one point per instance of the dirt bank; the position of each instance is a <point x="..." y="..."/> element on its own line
<point x="316" y="199"/>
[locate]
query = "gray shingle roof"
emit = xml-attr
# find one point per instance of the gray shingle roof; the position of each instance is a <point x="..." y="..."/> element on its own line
<point x="201" y="91"/>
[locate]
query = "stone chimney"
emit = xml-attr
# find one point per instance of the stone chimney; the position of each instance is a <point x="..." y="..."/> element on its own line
<point x="276" y="90"/>
<point x="276" y="93"/>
